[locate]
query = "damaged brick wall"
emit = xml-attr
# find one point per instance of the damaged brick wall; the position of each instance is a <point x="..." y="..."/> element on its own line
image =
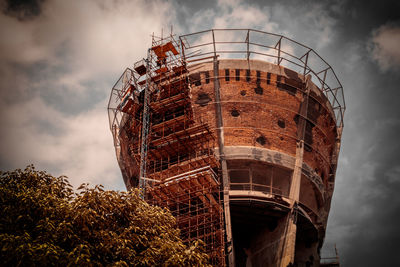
<point x="261" y="109"/>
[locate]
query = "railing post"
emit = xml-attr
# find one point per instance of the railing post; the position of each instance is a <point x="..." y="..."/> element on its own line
<point x="248" y="45"/>
<point x="305" y="63"/>
<point x="323" y="81"/>
<point x="279" y="50"/>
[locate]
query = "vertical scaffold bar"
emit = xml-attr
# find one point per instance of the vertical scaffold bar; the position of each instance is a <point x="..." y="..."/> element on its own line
<point x="145" y="127"/>
<point x="224" y="169"/>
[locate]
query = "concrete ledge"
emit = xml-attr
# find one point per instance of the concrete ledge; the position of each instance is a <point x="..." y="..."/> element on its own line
<point x="272" y="157"/>
<point x="257" y="195"/>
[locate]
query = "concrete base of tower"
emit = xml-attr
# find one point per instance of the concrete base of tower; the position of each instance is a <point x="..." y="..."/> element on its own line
<point x="259" y="232"/>
<point x="257" y="228"/>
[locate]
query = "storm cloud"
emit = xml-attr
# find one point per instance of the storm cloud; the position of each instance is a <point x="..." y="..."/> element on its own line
<point x="59" y="60"/>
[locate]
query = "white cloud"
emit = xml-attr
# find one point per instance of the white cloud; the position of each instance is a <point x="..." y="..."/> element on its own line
<point x="85" y="151"/>
<point x="309" y="22"/>
<point x="384" y="46"/>
<point x="233" y="14"/>
<point x="237" y="15"/>
<point x="90" y="37"/>
<point x="77" y="146"/>
<point x="72" y="52"/>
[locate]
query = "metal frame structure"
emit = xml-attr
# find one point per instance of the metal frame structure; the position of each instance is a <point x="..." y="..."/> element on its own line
<point x="149" y="109"/>
<point x="275" y="48"/>
<point x="194" y="200"/>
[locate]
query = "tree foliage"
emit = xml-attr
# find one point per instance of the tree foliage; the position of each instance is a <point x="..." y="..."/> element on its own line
<point x="44" y="222"/>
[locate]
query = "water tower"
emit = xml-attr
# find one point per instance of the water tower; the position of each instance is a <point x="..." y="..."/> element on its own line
<point x="238" y="133"/>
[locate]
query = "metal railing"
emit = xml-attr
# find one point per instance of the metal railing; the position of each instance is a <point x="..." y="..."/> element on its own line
<point x="257" y="187"/>
<point x="274" y="48"/>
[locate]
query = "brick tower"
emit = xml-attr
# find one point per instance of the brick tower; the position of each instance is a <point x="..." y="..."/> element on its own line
<point x="238" y="133"/>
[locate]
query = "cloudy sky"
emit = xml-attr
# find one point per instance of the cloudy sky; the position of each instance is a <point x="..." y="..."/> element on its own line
<point x="59" y="59"/>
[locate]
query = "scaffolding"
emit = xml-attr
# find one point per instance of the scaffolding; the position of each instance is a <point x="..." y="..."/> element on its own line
<point x="194" y="200"/>
<point x="150" y="111"/>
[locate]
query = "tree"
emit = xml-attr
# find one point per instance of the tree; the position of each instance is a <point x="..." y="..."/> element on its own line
<point x="44" y="222"/>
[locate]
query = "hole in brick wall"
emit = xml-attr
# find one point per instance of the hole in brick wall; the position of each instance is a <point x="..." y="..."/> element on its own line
<point x="259" y="90"/>
<point x="207" y="76"/>
<point x="195" y="79"/>
<point x="281" y="138"/>
<point x="203" y="99"/>
<point x="247" y="75"/>
<point x="227" y="75"/>
<point x="243" y="92"/>
<point x="235" y="113"/>
<point x="237" y="73"/>
<point x="281" y="123"/>
<point x="261" y="140"/>
<point x="268" y="78"/>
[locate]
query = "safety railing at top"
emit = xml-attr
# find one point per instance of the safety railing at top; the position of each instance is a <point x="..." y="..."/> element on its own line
<point x="274" y="48"/>
<point x="236" y="44"/>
